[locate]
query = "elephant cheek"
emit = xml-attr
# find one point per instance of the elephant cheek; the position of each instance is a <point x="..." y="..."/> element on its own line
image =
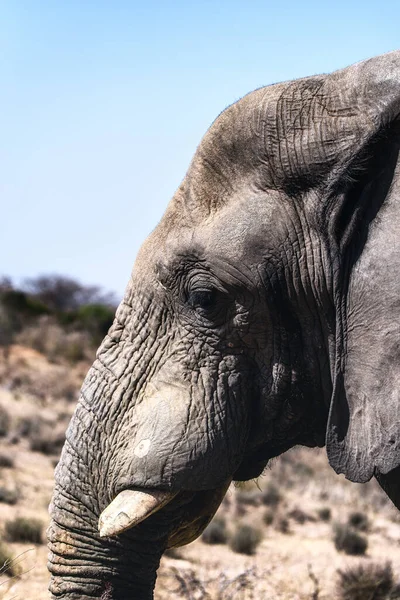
<point x="184" y="441"/>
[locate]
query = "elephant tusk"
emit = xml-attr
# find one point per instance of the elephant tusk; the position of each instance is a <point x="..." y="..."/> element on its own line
<point x="129" y="508"/>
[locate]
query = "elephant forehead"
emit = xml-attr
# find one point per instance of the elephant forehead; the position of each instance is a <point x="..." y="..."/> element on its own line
<point x="246" y="228"/>
<point x="241" y="233"/>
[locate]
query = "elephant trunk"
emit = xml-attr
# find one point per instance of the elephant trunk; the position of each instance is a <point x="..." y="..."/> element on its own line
<point x="126" y="570"/>
<point x="82" y="564"/>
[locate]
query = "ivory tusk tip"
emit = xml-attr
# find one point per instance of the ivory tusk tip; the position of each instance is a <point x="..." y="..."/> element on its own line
<point x="129" y="508"/>
<point x="105" y="531"/>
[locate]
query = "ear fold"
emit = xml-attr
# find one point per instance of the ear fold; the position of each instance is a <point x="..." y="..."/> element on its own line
<point x="363" y="437"/>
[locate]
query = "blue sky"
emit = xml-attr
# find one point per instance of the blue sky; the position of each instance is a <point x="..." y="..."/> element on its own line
<point x="103" y="104"/>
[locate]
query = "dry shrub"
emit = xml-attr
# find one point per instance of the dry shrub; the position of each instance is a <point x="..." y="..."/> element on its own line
<point x="45" y="336"/>
<point x="8" y="564"/>
<point x="49" y="338"/>
<point x="6" y="461"/>
<point x="24" y="530"/>
<point x="359" y="520"/>
<point x="303" y="470"/>
<point x="31" y="425"/>
<point x="271" y="495"/>
<point x="5" y="421"/>
<point x="55" y="383"/>
<point x="324" y="513"/>
<point x="215" y="532"/>
<point x="75" y="348"/>
<point x="189" y="585"/>
<point x="348" y="540"/>
<point x="248" y="498"/>
<point x="268" y="517"/>
<point x="44" y="436"/>
<point x="245" y="539"/>
<point x="300" y="516"/>
<point x="9" y="495"/>
<point x="366" y="582"/>
<point x="282" y="525"/>
<point x="47" y="441"/>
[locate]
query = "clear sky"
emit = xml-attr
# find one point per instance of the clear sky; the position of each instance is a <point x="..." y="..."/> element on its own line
<point x="104" y="102"/>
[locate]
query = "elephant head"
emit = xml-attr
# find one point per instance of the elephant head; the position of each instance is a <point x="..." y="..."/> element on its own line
<point x="262" y="312"/>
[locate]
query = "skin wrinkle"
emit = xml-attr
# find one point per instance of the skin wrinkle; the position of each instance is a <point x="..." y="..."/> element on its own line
<point x="81" y="458"/>
<point x="275" y="353"/>
<point x="310" y="281"/>
<point x="100" y="441"/>
<point x="268" y="127"/>
<point x="293" y="165"/>
<point x="91" y="586"/>
<point x="87" y="511"/>
<point x="143" y="374"/>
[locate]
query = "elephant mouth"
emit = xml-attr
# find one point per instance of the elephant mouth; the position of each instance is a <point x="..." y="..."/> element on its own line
<point x="132" y="506"/>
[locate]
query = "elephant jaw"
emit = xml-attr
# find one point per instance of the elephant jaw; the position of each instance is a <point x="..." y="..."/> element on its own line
<point x="131" y="507"/>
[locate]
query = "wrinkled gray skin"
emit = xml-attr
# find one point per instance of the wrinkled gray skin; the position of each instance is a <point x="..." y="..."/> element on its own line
<point x="262" y="312"/>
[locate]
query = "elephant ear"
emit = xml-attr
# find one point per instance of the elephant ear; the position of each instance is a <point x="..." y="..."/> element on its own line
<point x="362" y="214"/>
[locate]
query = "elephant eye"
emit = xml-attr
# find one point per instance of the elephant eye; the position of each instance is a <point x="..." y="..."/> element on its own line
<point x="203" y="299"/>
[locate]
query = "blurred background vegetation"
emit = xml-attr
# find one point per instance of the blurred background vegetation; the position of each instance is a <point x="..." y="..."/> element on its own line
<point x="55" y="315"/>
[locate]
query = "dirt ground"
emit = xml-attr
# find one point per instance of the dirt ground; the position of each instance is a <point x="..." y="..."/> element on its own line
<point x="295" y="560"/>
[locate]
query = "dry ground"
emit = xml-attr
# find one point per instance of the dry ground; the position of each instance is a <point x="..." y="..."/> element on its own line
<point x="281" y="566"/>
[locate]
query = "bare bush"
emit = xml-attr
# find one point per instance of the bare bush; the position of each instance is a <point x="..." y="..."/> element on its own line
<point x="245" y="539"/>
<point x="348" y="540"/>
<point x="358" y="520"/>
<point x="52" y="340"/>
<point x="215" y="532"/>
<point x="47" y="440"/>
<point x="369" y="581"/>
<point x="5" y="421"/>
<point x="268" y="516"/>
<point x="46" y="385"/>
<point x="9" y="495"/>
<point x="24" y="530"/>
<point x="29" y="425"/>
<point x="248" y="498"/>
<point x="271" y="495"/>
<point x="324" y="513"/>
<point x="62" y="293"/>
<point x="189" y="585"/>
<point x="282" y="525"/>
<point x="300" y="516"/>
<point x="6" y="461"/>
<point x="8" y="564"/>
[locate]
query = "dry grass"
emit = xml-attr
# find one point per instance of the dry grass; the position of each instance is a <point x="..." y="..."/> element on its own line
<point x="245" y="539"/>
<point x="24" y="530"/>
<point x="8" y="565"/>
<point x="6" y="461"/>
<point x="371" y="581"/>
<point x="215" y="532"/>
<point x="348" y="540"/>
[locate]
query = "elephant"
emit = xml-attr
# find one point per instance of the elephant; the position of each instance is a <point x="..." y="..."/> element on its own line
<point x="263" y="312"/>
